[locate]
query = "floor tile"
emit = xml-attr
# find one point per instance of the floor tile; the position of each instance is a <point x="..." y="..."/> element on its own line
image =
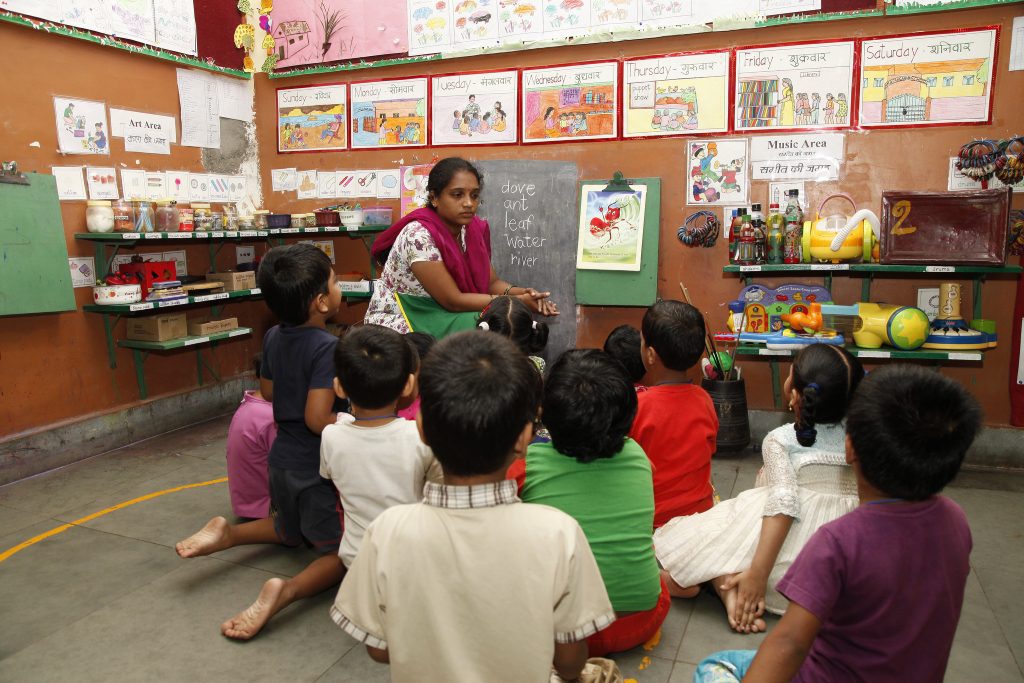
<point x="708" y="631"/>
<point x="642" y="667"/>
<point x="12" y="520"/>
<point x="980" y="651"/>
<point x="356" y="667"/>
<point x="995" y="519"/>
<point x="682" y="672"/>
<point x="1002" y="589"/>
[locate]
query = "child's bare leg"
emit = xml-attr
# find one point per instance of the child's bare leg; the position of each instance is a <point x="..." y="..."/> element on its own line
<point x="322" y="573"/>
<point x="677" y="591"/>
<point x="219" y="535"/>
<point x="747" y="624"/>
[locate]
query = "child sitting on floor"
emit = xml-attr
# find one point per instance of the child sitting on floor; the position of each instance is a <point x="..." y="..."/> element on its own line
<point x="301" y="288"/>
<point x="876" y="594"/>
<point x="510" y="317"/>
<point x="593" y="472"/>
<point x="250" y="436"/>
<point x="675" y="423"/>
<point x="422" y="342"/>
<point x="471" y="584"/>
<point x="744" y="545"/>
<point x="374" y="458"/>
<point x="623" y="344"/>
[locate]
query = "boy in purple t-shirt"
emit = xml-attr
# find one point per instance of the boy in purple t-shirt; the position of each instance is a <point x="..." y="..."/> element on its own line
<point x="876" y="594"/>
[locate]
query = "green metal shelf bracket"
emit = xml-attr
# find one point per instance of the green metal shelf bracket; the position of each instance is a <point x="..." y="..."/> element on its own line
<point x="201" y="363"/>
<point x="979" y="280"/>
<point x="108" y="329"/>
<point x="139" y="356"/>
<point x="865" y="286"/>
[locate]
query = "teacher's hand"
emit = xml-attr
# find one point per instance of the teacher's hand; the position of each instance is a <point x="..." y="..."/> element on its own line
<point x="538" y="302"/>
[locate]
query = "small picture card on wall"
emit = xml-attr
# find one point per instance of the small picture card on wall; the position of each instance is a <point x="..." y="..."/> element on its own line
<point x="236" y="188"/>
<point x="795" y="86"/>
<point x="81" y="126"/>
<point x="312" y="119"/>
<point x="367" y="183"/>
<point x="389" y="183"/>
<point x="70" y="185"/>
<point x="676" y="95"/>
<point x="156" y="185"/>
<point x="474" y="109"/>
<point x="717" y="171"/>
<point x="571" y="102"/>
<point x="102" y="182"/>
<point x="199" y="187"/>
<point x="306" y="185"/>
<point x="133" y="184"/>
<point x="178" y="186"/>
<point x="927" y="79"/>
<point x="325" y="185"/>
<point x="220" y="188"/>
<point x="390" y="113"/>
<point x="345" y="185"/>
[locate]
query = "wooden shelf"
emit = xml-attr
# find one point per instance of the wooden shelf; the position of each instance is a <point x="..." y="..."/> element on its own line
<point x="868" y="268"/>
<point x="153" y="305"/>
<point x="122" y="237"/>
<point x="182" y="342"/>
<point x="885" y="353"/>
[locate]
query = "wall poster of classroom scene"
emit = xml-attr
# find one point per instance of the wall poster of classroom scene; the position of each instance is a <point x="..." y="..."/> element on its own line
<point x="391" y="113"/>
<point x="676" y="95"/>
<point x="312" y="118"/>
<point x="800" y="85"/>
<point x="81" y="126"/>
<point x="717" y="171"/>
<point x="474" y="108"/>
<point x="611" y="228"/>
<point x="574" y="101"/>
<point x="927" y="79"/>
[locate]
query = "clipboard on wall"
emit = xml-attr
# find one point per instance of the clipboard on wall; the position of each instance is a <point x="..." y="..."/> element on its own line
<point x="34" y="272"/>
<point x="624" y="287"/>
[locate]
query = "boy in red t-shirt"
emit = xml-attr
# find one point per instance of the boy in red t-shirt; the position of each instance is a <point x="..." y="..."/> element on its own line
<point x="675" y="423"/>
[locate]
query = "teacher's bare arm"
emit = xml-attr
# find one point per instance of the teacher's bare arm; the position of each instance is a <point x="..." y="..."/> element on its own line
<point x="539" y="302"/>
<point x="439" y="284"/>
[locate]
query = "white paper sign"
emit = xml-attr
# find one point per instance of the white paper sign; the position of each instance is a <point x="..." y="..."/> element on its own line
<point x="199" y="187"/>
<point x="234" y="98"/>
<point x="799" y="169"/>
<point x="805" y="146"/>
<point x="1017" y="45"/>
<point x="245" y="254"/>
<point x="175" y="25"/>
<point x="70" y="183"/>
<point x="177" y="186"/>
<point x="133" y="184"/>
<point x="366" y="183"/>
<point x="220" y="188"/>
<point x="236" y="188"/>
<point x="147" y="134"/>
<point x="389" y="183"/>
<point x="102" y="182"/>
<point x="345" y="185"/>
<point x="283" y="179"/>
<point x="156" y="185"/>
<point x="306" y="185"/>
<point x="83" y="271"/>
<point x="119" y="118"/>
<point x="325" y="185"/>
<point x="180" y="261"/>
<point x="198" y="96"/>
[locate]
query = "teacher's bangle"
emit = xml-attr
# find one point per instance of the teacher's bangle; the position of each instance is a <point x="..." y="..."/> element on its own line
<point x="507" y="290"/>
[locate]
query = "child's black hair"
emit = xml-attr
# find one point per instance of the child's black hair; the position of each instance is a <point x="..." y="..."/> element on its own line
<point x="478" y="393"/>
<point x="826" y="377"/>
<point x="422" y="342"/>
<point x="676" y="331"/>
<point x="589" y="405"/>
<point x="910" y="429"/>
<point x="510" y="317"/>
<point x="373" y="364"/>
<point x="623" y="344"/>
<point x="443" y="172"/>
<point x="291" y="277"/>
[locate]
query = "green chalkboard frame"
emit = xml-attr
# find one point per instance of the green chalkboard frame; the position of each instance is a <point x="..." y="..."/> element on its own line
<point x="620" y="287"/>
<point x="34" y="272"/>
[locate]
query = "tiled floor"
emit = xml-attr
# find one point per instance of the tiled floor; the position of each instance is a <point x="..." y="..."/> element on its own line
<point x="108" y="599"/>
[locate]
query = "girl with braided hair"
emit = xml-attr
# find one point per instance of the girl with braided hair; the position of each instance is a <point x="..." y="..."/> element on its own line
<point x="744" y="545"/>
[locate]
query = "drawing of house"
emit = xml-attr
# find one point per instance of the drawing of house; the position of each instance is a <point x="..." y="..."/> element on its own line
<point x="931" y="91"/>
<point x="291" y="37"/>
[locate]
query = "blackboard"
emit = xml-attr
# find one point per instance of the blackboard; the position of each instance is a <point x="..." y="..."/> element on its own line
<point x="530" y="206"/>
<point x="34" y="272"/>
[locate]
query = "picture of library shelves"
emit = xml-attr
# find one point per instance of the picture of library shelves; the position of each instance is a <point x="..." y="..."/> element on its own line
<point x="758" y="103"/>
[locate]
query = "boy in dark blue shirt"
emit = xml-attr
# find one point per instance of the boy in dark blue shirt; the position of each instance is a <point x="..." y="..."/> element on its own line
<point x="302" y="290"/>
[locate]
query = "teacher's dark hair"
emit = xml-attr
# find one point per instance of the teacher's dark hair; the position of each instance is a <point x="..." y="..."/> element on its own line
<point x="445" y="170"/>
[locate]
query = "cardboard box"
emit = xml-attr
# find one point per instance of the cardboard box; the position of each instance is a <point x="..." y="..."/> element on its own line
<point x="200" y="327"/>
<point x="234" y="280"/>
<point x="157" y="327"/>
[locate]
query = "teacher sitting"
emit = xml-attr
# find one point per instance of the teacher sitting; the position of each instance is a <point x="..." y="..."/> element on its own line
<point x="438" y="259"/>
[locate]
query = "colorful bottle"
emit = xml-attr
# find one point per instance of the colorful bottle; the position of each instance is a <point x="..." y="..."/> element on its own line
<point x="746" y="252"/>
<point x="794" y="230"/>
<point x="760" y="234"/>
<point x="776" y="233"/>
<point x="734" y="234"/>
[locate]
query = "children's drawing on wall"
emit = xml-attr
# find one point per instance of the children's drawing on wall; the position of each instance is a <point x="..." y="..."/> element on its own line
<point x="565" y="18"/>
<point x="804" y="85"/>
<point x="313" y="118"/>
<point x="611" y="14"/>
<point x="654" y="13"/>
<point x="611" y="228"/>
<point x="474" y="109"/>
<point x="81" y="126"/>
<point x="389" y="113"/>
<point x="475" y="23"/>
<point x="429" y="26"/>
<point x="414" y="187"/>
<point x="520" y="18"/>
<point x="315" y="31"/>
<point x="927" y="79"/>
<point x="567" y="102"/>
<point x="717" y="172"/>
<point x="676" y="95"/>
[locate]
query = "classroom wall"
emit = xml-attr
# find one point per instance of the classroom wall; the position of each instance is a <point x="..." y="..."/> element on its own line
<point x="875" y="161"/>
<point x="53" y="367"/>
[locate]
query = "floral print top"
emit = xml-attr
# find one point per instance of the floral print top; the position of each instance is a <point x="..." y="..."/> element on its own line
<point x="413" y="244"/>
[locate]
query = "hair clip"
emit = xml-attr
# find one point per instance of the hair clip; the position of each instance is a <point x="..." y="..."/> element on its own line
<point x="813" y="385"/>
<point x="484" y="326"/>
<point x="534" y="324"/>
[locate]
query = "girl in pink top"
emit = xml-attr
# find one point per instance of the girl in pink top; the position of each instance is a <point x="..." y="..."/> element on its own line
<point x="250" y="436"/>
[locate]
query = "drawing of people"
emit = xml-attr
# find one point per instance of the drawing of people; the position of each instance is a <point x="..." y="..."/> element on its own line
<point x="564" y="125"/>
<point x="472" y="108"/>
<point x="698" y="186"/>
<point x="842" y="109"/>
<point x="786" y="103"/>
<point x="464" y="126"/>
<point x="691" y="120"/>
<point x="393" y="136"/>
<point x="656" y="119"/>
<point x="457" y="120"/>
<point x="474" y="123"/>
<point x="485" y="124"/>
<point x="815" y="108"/>
<point x="298" y="136"/>
<point x="69" y="116"/>
<point x="550" y="123"/>
<point x="497" y="112"/>
<point x="333" y="129"/>
<point x="412" y="133"/>
<point x="706" y="155"/>
<point x="579" y="126"/>
<point x="672" y="122"/>
<point x="803" y="109"/>
<point x="286" y="135"/>
<point x="98" y="140"/>
<point x="729" y="174"/>
<point x="830" y="107"/>
<point x="499" y="123"/>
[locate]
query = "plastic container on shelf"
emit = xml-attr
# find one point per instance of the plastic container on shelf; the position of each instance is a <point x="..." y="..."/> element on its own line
<point x="186" y="219"/>
<point x="99" y="217"/>
<point x="246" y="223"/>
<point x="279" y="220"/>
<point x="144" y="217"/>
<point x="260" y="219"/>
<point x="298" y="220"/>
<point x="351" y="218"/>
<point x="217" y="220"/>
<point x="327" y="219"/>
<point x="124" y="216"/>
<point x="107" y="295"/>
<point x="166" y="218"/>
<point x="309" y="219"/>
<point x="377" y="215"/>
<point x="231" y="217"/>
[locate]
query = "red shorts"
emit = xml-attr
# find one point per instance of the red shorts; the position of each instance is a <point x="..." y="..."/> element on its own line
<point x="631" y="631"/>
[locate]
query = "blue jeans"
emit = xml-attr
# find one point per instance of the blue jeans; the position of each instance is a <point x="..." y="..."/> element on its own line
<point x="726" y="666"/>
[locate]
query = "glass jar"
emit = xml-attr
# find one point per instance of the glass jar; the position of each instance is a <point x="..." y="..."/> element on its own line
<point x="124" y="216"/>
<point x="231" y="217"/>
<point x="298" y="220"/>
<point x="186" y="220"/>
<point x="246" y="223"/>
<point x="201" y="217"/>
<point x="309" y="219"/>
<point x="217" y="220"/>
<point x="260" y="218"/>
<point x="99" y="217"/>
<point x="166" y="219"/>
<point x="143" y="216"/>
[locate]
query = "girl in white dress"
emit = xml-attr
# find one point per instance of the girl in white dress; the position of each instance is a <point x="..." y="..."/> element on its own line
<point x="744" y="545"/>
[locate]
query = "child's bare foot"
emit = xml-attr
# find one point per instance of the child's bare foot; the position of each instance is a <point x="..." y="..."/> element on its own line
<point x="729" y="598"/>
<point x="209" y="539"/>
<point x="247" y="624"/>
<point x="677" y="591"/>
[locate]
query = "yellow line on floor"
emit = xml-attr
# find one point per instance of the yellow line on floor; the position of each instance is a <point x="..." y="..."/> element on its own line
<point x="106" y="511"/>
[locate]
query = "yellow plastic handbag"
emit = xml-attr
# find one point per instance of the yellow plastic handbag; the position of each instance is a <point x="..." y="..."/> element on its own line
<point x="837" y="238"/>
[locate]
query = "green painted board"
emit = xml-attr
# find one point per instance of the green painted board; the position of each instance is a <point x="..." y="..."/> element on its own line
<point x="34" y="272"/>
<point x="620" y="287"/>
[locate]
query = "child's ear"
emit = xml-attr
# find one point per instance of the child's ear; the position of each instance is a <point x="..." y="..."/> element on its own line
<point x="525" y="437"/>
<point x="338" y="391"/>
<point x="851" y="455"/>
<point x="410" y="388"/>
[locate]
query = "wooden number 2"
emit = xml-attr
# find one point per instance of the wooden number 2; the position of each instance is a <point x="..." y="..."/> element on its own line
<point x="902" y="212"/>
